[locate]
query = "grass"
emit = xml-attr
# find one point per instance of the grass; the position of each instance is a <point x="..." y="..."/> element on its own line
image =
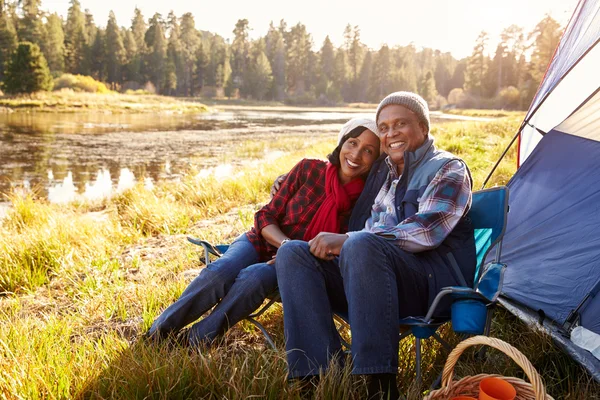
<point x="81" y="281"/>
<point x="68" y="101"/>
<point x="485" y="113"/>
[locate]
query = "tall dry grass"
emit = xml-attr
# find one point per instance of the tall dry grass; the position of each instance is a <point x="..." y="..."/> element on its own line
<point x="81" y="282"/>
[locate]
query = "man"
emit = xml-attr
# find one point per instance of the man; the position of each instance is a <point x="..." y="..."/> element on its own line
<point x="409" y="238"/>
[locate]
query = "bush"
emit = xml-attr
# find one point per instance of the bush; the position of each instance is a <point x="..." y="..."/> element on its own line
<point x="80" y="83"/>
<point x="27" y="70"/>
<point x="508" y="98"/>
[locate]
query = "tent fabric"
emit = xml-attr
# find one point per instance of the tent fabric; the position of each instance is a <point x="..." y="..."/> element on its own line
<point x="552" y="243"/>
<point x="562" y="88"/>
<point x="581" y="34"/>
<point x="575" y="88"/>
<point x="585" y="122"/>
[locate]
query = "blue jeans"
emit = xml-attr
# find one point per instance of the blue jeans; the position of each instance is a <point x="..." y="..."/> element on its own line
<point x="378" y="281"/>
<point x="235" y="281"/>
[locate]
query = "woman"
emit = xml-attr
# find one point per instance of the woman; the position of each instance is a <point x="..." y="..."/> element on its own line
<point x="316" y="196"/>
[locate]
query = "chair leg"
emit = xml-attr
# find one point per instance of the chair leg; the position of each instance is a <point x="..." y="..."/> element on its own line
<point x="486" y="332"/>
<point x="443" y="342"/>
<point x="264" y="331"/>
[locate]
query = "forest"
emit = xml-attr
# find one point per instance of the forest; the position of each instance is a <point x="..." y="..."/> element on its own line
<point x="170" y="56"/>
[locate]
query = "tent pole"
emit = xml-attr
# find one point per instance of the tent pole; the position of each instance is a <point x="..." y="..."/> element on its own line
<point x="500" y="159"/>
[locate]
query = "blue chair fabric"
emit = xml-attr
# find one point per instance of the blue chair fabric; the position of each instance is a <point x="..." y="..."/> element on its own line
<point x="472" y="307"/>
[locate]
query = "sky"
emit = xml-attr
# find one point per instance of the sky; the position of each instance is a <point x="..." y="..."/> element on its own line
<point x="446" y="25"/>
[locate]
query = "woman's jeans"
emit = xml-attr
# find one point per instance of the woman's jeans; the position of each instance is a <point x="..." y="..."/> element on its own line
<point x="236" y="281"/>
<point x="373" y="280"/>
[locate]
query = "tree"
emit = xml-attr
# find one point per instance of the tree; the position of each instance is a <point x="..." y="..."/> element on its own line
<point x="259" y="77"/>
<point x="327" y="53"/>
<point x="200" y="71"/>
<point x="382" y="68"/>
<point x="190" y="40"/>
<point x="55" y="44"/>
<point x="298" y="59"/>
<point x="30" y="26"/>
<point x="156" y="43"/>
<point x="364" y="78"/>
<point x="477" y="66"/>
<point x="98" y="63"/>
<point x="546" y="35"/>
<point x="427" y="88"/>
<point x="444" y="67"/>
<point x="27" y="70"/>
<point x="174" y="56"/>
<point x="75" y="40"/>
<point x="115" y="51"/>
<point x="8" y="41"/>
<point x="239" y="52"/>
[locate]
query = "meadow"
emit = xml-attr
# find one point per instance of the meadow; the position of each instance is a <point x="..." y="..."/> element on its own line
<point x="80" y="283"/>
<point x="69" y="101"/>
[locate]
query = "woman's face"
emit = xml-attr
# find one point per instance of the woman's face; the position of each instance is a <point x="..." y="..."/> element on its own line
<point x="357" y="155"/>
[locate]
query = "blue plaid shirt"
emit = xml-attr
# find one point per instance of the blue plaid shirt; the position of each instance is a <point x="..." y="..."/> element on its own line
<point x="438" y="212"/>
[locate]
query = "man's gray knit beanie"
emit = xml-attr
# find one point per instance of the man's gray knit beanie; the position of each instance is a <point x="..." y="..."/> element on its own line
<point x="412" y="101"/>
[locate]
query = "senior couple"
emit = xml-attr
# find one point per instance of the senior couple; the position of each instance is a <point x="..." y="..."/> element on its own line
<point x="376" y="246"/>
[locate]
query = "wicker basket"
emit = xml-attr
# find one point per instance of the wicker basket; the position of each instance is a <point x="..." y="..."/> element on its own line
<point x="469" y="385"/>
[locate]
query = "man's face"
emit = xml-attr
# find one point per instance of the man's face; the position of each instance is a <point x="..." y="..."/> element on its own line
<point x="402" y="131"/>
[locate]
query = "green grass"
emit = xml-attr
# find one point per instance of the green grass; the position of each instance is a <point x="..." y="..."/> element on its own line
<point x="67" y="101"/>
<point x="80" y="282"/>
<point x="485" y="113"/>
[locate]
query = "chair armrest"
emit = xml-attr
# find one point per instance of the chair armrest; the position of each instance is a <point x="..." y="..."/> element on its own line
<point x="207" y="246"/>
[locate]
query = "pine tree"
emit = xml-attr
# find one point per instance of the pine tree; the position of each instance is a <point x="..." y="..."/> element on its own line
<point x="327" y="59"/>
<point x="8" y="41"/>
<point x="190" y="40"/>
<point x="259" y="77"/>
<point x="98" y="62"/>
<point x="382" y="68"/>
<point x="55" y="44"/>
<point x="156" y="43"/>
<point x="30" y="26"/>
<point x="427" y="88"/>
<point x="27" y="70"/>
<point x="239" y="52"/>
<point x="75" y="40"/>
<point x="202" y="60"/>
<point x="477" y="66"/>
<point x="546" y="36"/>
<point x="115" y="51"/>
<point x="364" y="79"/>
<point x="174" y="56"/>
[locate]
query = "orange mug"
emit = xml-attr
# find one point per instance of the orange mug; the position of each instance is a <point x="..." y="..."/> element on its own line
<point x="496" y="389"/>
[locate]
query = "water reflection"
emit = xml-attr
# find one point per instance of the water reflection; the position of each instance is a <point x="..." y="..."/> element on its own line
<point x="71" y="156"/>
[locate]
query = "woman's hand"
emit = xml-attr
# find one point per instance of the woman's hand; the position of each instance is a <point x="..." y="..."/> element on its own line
<point x="327" y="246"/>
<point x="277" y="184"/>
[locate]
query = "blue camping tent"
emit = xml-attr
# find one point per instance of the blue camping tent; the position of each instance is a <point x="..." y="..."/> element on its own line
<point x="552" y="242"/>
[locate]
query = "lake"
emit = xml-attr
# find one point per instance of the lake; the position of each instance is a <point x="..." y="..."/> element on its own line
<point x="68" y="156"/>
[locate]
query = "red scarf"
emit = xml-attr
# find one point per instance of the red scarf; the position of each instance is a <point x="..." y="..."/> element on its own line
<point x="338" y="198"/>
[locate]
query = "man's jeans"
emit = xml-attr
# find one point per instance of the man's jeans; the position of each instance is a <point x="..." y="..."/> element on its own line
<point x="381" y="283"/>
<point x="235" y="281"/>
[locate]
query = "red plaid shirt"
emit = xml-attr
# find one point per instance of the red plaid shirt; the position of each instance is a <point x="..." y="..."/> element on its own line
<point x="293" y="206"/>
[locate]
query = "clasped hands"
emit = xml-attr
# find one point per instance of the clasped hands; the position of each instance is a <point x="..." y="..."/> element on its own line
<point x="327" y="246"/>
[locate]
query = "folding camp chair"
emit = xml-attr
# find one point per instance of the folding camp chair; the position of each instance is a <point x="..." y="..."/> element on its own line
<point x="472" y="307"/>
<point x="217" y="251"/>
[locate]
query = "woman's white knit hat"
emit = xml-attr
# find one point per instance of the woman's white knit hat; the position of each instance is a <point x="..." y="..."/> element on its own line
<point x="412" y="101"/>
<point x="355" y="123"/>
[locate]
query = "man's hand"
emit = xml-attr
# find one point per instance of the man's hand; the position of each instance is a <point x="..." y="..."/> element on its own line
<point x="327" y="245"/>
<point x="277" y="184"/>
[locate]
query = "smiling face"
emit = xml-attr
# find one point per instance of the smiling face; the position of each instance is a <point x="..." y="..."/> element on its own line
<point x="357" y="155"/>
<point x="401" y="131"/>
